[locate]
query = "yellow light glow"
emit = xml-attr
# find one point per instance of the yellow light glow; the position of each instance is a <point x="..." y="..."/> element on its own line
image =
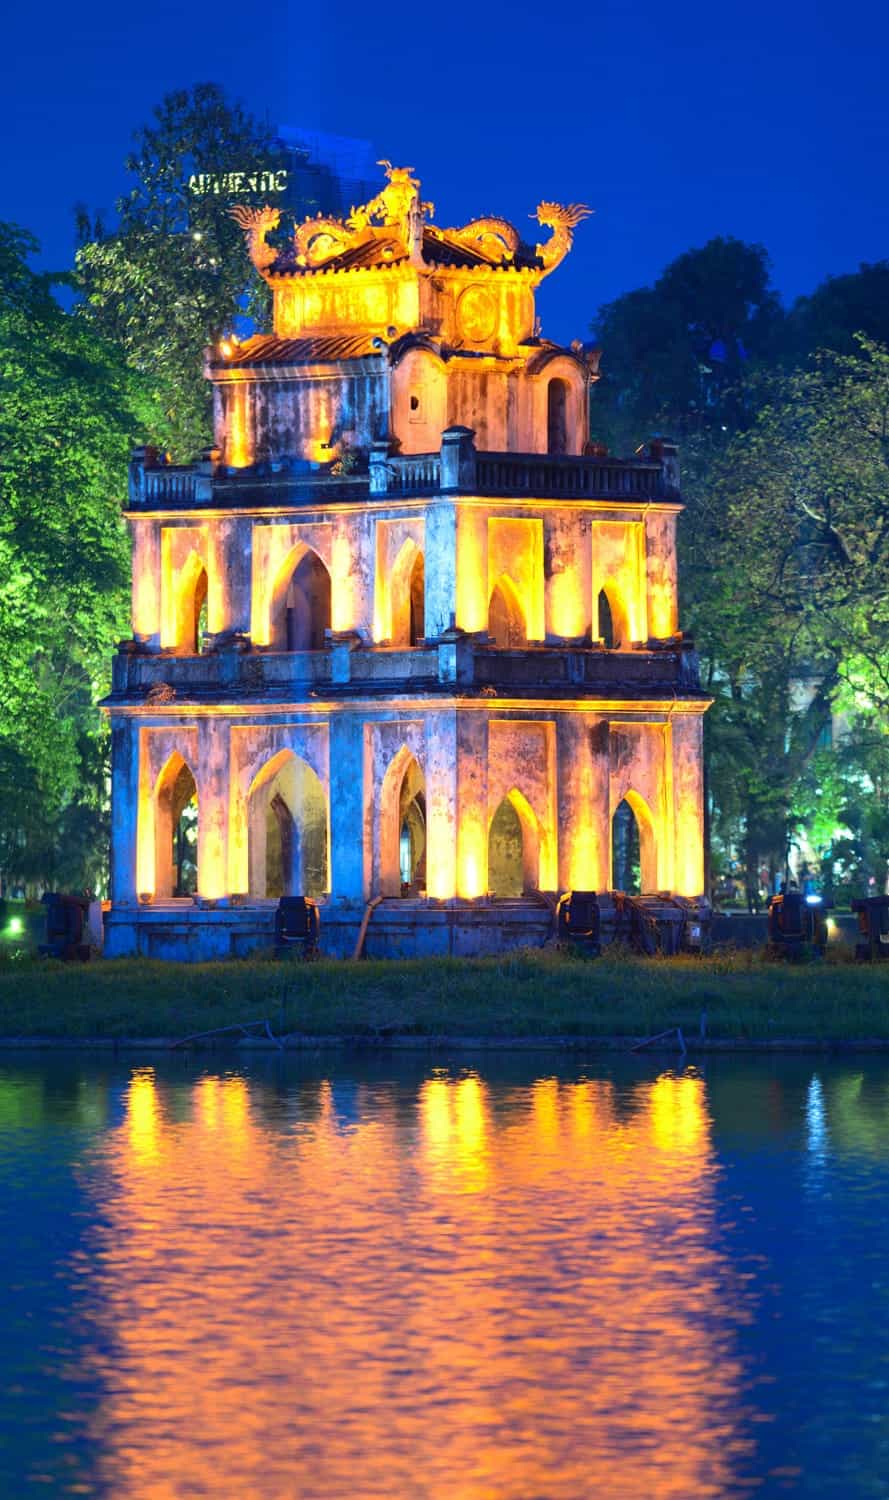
<point x="471" y="1132"/>
<point x="570" y="611"/>
<point x="239" y="452"/>
<point x="679" y="1121"/>
<point x="472" y="571"/>
<point x="342" y="601"/>
<point x="142" y="1116"/>
<point x="441" y="860"/>
<point x="435" y="1107"/>
<point x="472" y="859"/>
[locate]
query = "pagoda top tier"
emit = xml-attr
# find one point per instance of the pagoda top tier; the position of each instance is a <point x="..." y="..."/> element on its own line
<point x="387" y="269"/>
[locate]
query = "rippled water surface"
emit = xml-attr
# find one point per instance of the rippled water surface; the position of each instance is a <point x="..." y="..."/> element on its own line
<point x="519" y="1281"/>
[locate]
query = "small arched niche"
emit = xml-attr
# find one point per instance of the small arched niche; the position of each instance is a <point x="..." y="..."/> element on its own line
<point x="611" y="619"/>
<point x="191" y="606"/>
<point x="287" y="829"/>
<point x="176" y="830"/>
<point x="513" y="847"/>
<point x="557" y="395"/>
<point x="506" y="618"/>
<point x="412" y="838"/>
<point x="300" y="612"/>
<point x="633" y="847"/>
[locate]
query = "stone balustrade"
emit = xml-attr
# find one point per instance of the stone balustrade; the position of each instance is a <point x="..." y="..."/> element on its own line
<point x="458" y="468"/>
<point x="459" y="663"/>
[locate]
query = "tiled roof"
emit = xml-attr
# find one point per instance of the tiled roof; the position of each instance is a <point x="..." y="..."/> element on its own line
<point x="266" y="349"/>
<point x="389" y="250"/>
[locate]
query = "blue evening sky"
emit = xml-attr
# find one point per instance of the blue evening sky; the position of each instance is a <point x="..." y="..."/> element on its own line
<point x="765" y="119"/>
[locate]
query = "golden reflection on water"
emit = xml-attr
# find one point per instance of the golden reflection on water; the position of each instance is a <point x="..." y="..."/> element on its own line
<point x="461" y="1291"/>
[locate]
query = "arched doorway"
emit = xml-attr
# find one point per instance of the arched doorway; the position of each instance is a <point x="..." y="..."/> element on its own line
<point x="633" y="847"/>
<point x="557" y="416"/>
<point x="506" y="618"/>
<point x="408" y="596"/>
<point x="176" y="830"/>
<point x="191" y="606"/>
<point x="300" y="612"/>
<point x="402" y="830"/>
<point x="287" y="830"/>
<point x="513" y="847"/>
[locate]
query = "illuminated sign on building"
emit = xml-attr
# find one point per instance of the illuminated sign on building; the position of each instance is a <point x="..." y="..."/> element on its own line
<point x="231" y="184"/>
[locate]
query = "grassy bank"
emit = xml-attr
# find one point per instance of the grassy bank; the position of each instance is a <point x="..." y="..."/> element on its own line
<point x="525" y="995"/>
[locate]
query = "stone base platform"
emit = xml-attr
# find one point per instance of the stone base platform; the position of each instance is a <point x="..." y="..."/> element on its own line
<point x="182" y="930"/>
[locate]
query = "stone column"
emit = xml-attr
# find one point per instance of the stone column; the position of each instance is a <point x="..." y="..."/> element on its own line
<point x="688" y="804"/>
<point x="349" y="810"/>
<point x="568" y="577"/>
<point x="458" y="460"/>
<point x="472" y="803"/>
<point x="125" y="808"/>
<point x="584" y="813"/>
<point x="352" y="574"/>
<point x="229" y="557"/>
<point x="213" y="806"/>
<point x="661" y="577"/>
<point x="441" y="804"/>
<point x="440" y="568"/>
<point x="146" y="580"/>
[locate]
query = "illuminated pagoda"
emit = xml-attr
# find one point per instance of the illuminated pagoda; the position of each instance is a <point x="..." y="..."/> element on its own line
<point x="403" y="635"/>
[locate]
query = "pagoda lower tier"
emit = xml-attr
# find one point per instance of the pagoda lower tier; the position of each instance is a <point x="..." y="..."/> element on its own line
<point x="461" y="778"/>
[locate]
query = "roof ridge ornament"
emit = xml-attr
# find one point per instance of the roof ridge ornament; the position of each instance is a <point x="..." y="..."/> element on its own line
<point x="562" y="219"/>
<point x="257" y="223"/>
<point x="397" y="218"/>
<point x="396" y="208"/>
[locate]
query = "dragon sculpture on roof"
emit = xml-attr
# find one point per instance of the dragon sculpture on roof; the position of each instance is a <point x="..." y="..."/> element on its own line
<point x="398" y="212"/>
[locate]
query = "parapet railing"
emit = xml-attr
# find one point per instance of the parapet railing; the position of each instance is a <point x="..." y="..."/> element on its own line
<point x="171" y="485"/>
<point x="544" y="475"/>
<point x="462" y="468"/>
<point x="458" y="468"/>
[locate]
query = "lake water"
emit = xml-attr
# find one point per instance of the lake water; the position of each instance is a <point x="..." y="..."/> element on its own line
<point x="524" y="1280"/>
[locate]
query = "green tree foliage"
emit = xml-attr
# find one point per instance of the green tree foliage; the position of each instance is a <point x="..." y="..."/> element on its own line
<point x="69" y="411"/>
<point x="676" y="355"/>
<point x="787" y="567"/>
<point x="782" y="547"/>
<point x="174" y="275"/>
<point x="839" y="309"/>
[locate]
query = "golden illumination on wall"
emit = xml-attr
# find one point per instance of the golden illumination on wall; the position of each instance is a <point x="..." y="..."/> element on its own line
<point x="397" y="546"/>
<point x="663" y="603"/>
<point x="441" y="861"/>
<point x="569" y="604"/>
<point x="239" y="449"/>
<point x="186" y="582"/>
<point x="515" y="550"/>
<point x="342" y="592"/>
<point x="619" y="570"/>
<point x="472" y="855"/>
<point x="688" y="798"/>
<point x="472" y="569"/>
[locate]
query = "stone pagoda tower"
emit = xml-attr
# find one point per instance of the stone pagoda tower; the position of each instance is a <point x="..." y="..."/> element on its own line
<point x="402" y="636"/>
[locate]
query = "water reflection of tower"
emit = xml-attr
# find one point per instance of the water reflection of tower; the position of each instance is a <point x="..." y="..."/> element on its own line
<point x="522" y="1285"/>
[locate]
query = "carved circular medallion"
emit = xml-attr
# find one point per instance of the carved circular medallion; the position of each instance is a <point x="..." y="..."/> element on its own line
<point x="476" y="314"/>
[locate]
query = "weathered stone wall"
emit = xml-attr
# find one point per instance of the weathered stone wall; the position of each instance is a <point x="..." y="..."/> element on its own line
<point x="315" y="415"/>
